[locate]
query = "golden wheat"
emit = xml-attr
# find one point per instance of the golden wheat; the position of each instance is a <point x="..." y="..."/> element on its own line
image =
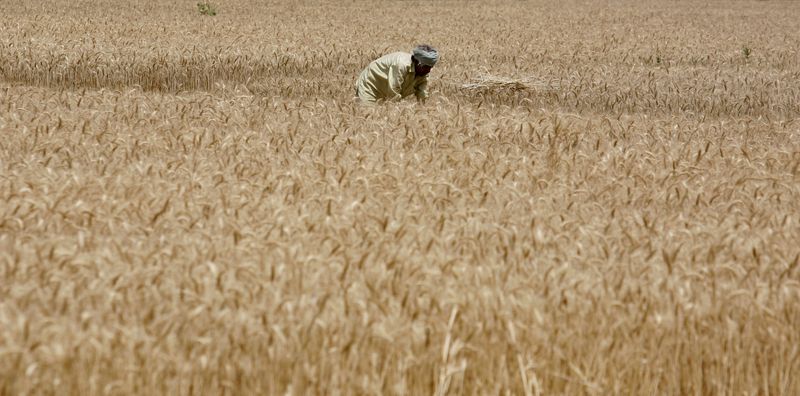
<point x="598" y="199"/>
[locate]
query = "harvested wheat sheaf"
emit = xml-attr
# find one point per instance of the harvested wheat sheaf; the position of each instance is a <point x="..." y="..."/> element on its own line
<point x="490" y="82"/>
<point x="597" y="199"/>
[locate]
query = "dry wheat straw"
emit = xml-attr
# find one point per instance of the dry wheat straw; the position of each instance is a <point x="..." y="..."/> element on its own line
<point x="596" y="200"/>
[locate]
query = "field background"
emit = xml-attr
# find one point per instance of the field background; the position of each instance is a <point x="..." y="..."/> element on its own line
<point x="599" y="198"/>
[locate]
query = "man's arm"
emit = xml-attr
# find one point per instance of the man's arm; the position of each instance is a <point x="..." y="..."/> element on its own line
<point x="421" y="90"/>
<point x="396" y="75"/>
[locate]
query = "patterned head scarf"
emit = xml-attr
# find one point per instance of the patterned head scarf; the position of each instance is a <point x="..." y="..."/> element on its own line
<point x="426" y="54"/>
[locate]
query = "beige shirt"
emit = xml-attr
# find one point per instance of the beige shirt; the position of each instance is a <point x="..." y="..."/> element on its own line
<point x="391" y="77"/>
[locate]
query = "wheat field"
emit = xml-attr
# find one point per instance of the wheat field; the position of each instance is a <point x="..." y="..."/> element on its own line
<point x="600" y="198"/>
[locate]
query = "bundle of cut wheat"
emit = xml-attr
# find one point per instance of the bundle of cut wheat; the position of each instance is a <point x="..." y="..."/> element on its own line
<point x="490" y="82"/>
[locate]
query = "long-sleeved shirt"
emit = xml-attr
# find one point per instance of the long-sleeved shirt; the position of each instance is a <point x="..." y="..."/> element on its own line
<point x="391" y="77"/>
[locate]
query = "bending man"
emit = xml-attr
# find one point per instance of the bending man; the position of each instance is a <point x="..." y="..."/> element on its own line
<point x="397" y="75"/>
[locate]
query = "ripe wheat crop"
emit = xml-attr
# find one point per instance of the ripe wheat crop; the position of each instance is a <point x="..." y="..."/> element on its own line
<point x="597" y="199"/>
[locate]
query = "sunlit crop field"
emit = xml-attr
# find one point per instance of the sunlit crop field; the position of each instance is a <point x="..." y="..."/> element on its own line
<point x="599" y="198"/>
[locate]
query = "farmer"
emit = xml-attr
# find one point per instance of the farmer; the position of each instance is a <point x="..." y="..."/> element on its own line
<point x="397" y="75"/>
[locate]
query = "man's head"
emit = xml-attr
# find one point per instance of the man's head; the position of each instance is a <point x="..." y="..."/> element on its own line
<point x="424" y="58"/>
